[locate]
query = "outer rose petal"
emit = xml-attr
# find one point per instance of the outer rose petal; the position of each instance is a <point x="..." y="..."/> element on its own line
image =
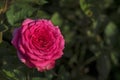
<point x="24" y="60"/>
<point x="25" y="22"/>
<point x="48" y="66"/>
<point x="57" y="55"/>
<point x="16" y="37"/>
<point x="21" y="57"/>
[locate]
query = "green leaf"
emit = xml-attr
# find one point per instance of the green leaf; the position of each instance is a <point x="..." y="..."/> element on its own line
<point x="111" y="34"/>
<point x="88" y="8"/>
<point x="19" y="12"/>
<point x="10" y="67"/>
<point x="3" y="28"/>
<point x="114" y="58"/>
<point x="68" y="33"/>
<point x="37" y="78"/>
<point x="42" y="14"/>
<point x="19" y="74"/>
<point x="56" y="19"/>
<point x="107" y="3"/>
<point x="10" y="74"/>
<point x="38" y="2"/>
<point x="92" y="8"/>
<point x="111" y="29"/>
<point x="84" y="5"/>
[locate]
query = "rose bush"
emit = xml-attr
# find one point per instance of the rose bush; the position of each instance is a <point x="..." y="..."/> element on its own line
<point x="39" y="43"/>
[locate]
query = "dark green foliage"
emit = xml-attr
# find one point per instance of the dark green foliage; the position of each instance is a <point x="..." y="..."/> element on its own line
<point x="91" y="30"/>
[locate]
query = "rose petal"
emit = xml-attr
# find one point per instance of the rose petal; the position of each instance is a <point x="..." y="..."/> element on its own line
<point x="25" y="60"/>
<point x="16" y="37"/>
<point x="27" y="21"/>
<point x="21" y="57"/>
<point x="45" y="66"/>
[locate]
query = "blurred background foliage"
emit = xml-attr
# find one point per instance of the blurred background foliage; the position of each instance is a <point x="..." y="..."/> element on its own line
<point x="91" y="29"/>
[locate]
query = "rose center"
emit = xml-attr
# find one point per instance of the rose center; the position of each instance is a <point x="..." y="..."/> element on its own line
<point x="40" y="41"/>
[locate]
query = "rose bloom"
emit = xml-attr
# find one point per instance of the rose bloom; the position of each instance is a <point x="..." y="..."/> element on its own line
<point x="39" y="43"/>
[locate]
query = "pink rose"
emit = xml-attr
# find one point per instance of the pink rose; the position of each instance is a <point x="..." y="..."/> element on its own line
<point x="39" y="43"/>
